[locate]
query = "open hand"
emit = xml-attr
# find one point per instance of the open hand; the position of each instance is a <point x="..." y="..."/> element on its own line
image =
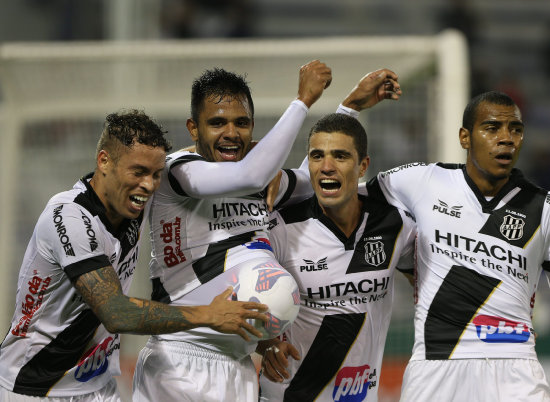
<point x="230" y="317"/>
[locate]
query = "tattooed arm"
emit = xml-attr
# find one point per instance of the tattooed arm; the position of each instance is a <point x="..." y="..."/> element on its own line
<point x="119" y="313"/>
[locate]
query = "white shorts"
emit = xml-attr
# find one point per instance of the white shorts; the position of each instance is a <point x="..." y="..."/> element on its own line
<point x="108" y="393"/>
<point x="475" y="380"/>
<point x="180" y="371"/>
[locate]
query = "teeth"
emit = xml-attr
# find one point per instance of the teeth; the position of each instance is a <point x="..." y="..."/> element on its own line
<point x="138" y="200"/>
<point x="330" y="185"/>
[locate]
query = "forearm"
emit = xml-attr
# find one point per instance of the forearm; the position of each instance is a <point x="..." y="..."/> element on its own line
<point x="119" y="313"/>
<point x="137" y="316"/>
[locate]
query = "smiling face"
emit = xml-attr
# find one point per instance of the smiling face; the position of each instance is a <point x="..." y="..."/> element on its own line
<point x="223" y="132"/>
<point x="335" y="169"/>
<point x="126" y="183"/>
<point x="493" y="145"/>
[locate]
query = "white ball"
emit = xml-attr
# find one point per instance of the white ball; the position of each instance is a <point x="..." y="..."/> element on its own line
<point x="270" y="284"/>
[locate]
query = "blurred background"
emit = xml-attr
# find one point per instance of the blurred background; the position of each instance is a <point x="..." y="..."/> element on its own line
<point x="65" y="64"/>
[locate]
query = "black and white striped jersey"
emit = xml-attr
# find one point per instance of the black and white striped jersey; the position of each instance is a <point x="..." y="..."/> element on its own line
<point x="478" y="260"/>
<point x="346" y="292"/>
<point x="196" y="240"/>
<point x="56" y="346"/>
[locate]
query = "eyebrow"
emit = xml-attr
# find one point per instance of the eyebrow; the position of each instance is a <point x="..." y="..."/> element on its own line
<point x="331" y="151"/>
<point x="216" y="119"/>
<point x="500" y="122"/>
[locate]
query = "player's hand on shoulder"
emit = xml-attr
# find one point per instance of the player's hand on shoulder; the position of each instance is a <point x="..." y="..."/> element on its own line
<point x="230" y="317"/>
<point x="373" y="88"/>
<point x="315" y="77"/>
<point x="275" y="360"/>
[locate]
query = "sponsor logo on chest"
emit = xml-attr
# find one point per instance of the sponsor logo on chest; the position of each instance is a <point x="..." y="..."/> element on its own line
<point x="446" y="209"/>
<point x="311" y="265"/>
<point x="231" y="209"/>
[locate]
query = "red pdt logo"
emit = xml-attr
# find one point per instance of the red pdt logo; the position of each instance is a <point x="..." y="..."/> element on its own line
<point x="352" y="383"/>
<point x="95" y="362"/>
<point x="171" y="236"/>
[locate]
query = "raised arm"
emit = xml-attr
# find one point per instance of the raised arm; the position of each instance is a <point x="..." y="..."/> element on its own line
<point x="119" y="313"/>
<point x="202" y="179"/>
<point x="372" y="89"/>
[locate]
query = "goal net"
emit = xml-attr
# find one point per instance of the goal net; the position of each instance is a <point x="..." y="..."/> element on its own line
<point x="55" y="96"/>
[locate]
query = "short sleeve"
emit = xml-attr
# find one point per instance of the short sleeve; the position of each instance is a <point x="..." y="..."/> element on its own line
<point x="70" y="237"/>
<point x="277" y="236"/>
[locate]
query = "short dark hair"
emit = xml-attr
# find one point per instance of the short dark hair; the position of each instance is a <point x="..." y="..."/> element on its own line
<point x="127" y="127"/>
<point x="218" y="83"/>
<point x="338" y="122"/>
<point x="492" y="97"/>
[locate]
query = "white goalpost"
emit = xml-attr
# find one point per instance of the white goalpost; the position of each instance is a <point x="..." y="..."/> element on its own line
<point x="55" y="96"/>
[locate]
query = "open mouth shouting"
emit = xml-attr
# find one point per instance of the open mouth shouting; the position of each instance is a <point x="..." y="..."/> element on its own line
<point x="229" y="152"/>
<point x="329" y="186"/>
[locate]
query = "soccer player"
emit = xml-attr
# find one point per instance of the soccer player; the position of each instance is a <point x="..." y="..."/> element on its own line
<point x="208" y="220"/>
<point x="483" y="241"/>
<point x="342" y="248"/>
<point x="71" y="305"/>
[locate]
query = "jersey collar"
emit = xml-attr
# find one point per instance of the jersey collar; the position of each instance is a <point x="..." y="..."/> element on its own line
<point x="516" y="177"/>
<point x="317" y="213"/>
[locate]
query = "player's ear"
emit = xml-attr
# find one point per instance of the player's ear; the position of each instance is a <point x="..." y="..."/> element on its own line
<point x="464" y="137"/>
<point x="193" y="129"/>
<point x="103" y="160"/>
<point x="363" y="165"/>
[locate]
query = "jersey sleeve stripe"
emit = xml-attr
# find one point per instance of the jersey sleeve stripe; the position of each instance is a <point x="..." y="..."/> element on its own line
<point x="291" y="186"/>
<point x="76" y="269"/>
<point x="173" y="181"/>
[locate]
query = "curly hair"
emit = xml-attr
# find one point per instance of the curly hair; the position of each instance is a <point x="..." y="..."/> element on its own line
<point x="127" y="127"/>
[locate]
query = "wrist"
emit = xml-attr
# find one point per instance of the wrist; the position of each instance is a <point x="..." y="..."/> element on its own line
<point x="197" y="316"/>
<point x="343" y="109"/>
<point x="350" y="103"/>
<point x="264" y="345"/>
<point x="305" y="101"/>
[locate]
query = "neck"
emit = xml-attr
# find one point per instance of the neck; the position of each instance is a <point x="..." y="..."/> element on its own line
<point x="96" y="184"/>
<point x="346" y="218"/>
<point x="488" y="186"/>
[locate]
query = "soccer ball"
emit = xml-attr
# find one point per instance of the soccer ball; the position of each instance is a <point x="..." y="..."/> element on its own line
<point x="270" y="284"/>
